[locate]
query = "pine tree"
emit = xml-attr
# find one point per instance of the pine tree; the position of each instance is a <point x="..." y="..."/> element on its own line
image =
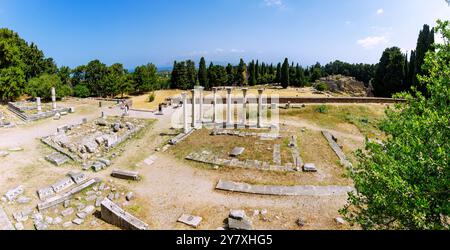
<point x="203" y="74"/>
<point x="230" y="75"/>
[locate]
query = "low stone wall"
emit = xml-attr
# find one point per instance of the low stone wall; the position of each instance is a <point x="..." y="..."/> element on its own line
<point x="113" y="214"/>
<point x="18" y="111"/>
<point x="283" y="190"/>
<point x="209" y="158"/>
<point x="340" y="154"/>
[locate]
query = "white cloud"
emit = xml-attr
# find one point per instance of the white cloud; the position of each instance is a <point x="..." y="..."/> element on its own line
<point x="273" y="3"/>
<point x="198" y="53"/>
<point x="348" y="22"/>
<point x="237" y="51"/>
<point x="380" y="11"/>
<point x="372" y="41"/>
<point x="219" y="50"/>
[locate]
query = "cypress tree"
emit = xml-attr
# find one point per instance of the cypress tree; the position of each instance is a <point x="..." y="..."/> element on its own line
<point x="173" y="78"/>
<point x="242" y="73"/>
<point x="230" y="75"/>
<point x="285" y="74"/>
<point x="278" y="76"/>
<point x="203" y="74"/>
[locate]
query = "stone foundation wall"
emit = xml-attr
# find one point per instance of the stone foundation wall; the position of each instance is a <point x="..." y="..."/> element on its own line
<point x="113" y="214"/>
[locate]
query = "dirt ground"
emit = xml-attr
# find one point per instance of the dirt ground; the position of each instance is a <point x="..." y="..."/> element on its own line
<point x="173" y="186"/>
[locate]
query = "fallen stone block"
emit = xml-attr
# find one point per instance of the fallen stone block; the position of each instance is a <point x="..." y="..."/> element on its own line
<point x="243" y="224"/>
<point x="113" y="214"/>
<point x="237" y="214"/>
<point x="78" y="221"/>
<point x="5" y="223"/>
<point x="127" y="175"/>
<point x="12" y="194"/>
<point x="309" y="167"/>
<point x="57" y="158"/>
<point x="62" y="185"/>
<point x="67" y="212"/>
<point x="193" y="221"/>
<point x="23" y="200"/>
<point x="237" y="151"/>
<point x="3" y="153"/>
<point x="46" y="192"/>
<point x="78" y="177"/>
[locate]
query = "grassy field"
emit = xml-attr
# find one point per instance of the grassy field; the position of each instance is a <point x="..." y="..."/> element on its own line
<point x="365" y="117"/>
<point x="142" y="101"/>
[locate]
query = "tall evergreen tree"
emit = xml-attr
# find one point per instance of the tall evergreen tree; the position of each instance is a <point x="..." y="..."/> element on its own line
<point x="230" y="74"/>
<point x="241" y="77"/>
<point x="278" y="73"/>
<point x="285" y="74"/>
<point x="390" y="73"/>
<point x="203" y="74"/>
<point x="424" y="44"/>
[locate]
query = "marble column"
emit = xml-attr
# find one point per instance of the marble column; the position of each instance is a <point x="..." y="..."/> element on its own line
<point x="244" y="106"/>
<point x="229" y="118"/>
<point x="38" y="103"/>
<point x="194" y="123"/>
<point x="260" y="91"/>
<point x="53" y="98"/>
<point x="214" y="119"/>
<point x="185" y="116"/>
<point x="201" y="104"/>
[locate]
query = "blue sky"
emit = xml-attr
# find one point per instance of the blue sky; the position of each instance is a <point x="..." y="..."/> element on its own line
<point x="135" y="32"/>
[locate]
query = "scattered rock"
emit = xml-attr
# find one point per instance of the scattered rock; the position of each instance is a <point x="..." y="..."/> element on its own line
<point x="19" y="226"/>
<point x="3" y="153"/>
<point x="300" y="222"/>
<point x="309" y="167"/>
<point x="190" y="220"/>
<point x="67" y="212"/>
<point x="339" y="221"/>
<point x="23" y="200"/>
<point x="57" y="221"/>
<point x="67" y="224"/>
<point x="237" y="214"/>
<point x="78" y="221"/>
<point x="129" y="196"/>
<point x="81" y="215"/>
<point x="66" y="203"/>
<point x="243" y="224"/>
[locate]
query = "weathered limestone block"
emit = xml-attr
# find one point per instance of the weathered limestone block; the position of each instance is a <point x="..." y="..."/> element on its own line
<point x="237" y="151"/>
<point x="113" y="214"/>
<point x="46" y="192"/>
<point x="12" y="194"/>
<point x="241" y="224"/>
<point x="62" y="185"/>
<point x="78" y="177"/>
<point x="57" y="158"/>
<point x="309" y="167"/>
<point x="90" y="147"/>
<point x="5" y="223"/>
<point x="123" y="174"/>
<point x="190" y="220"/>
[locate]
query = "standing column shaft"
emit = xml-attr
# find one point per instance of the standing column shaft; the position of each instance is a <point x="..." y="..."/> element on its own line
<point x="185" y="116"/>
<point x="193" y="109"/>
<point x="260" y="91"/>
<point x="244" y="106"/>
<point x="53" y="98"/>
<point x="38" y="103"/>
<point x="201" y="104"/>
<point x="214" y="120"/>
<point x="229" y="106"/>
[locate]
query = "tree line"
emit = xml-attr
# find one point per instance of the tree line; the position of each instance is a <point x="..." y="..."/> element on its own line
<point x="24" y="69"/>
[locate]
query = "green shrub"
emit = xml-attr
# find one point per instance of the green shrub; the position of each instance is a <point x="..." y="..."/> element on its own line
<point x="322" y="86"/>
<point x="81" y="91"/>
<point x="323" y="109"/>
<point x="151" y="97"/>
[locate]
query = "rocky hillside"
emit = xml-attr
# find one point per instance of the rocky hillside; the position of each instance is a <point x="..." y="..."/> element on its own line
<point x="344" y="85"/>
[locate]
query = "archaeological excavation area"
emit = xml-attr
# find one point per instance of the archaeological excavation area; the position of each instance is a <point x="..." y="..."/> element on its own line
<point x="226" y="159"/>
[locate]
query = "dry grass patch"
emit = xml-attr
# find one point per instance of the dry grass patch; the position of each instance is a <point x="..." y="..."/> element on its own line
<point x="365" y="118"/>
<point x="142" y="101"/>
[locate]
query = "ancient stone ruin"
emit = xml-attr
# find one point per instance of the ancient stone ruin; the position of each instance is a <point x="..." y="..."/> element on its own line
<point x="91" y="143"/>
<point x="114" y="214"/>
<point x="33" y="111"/>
